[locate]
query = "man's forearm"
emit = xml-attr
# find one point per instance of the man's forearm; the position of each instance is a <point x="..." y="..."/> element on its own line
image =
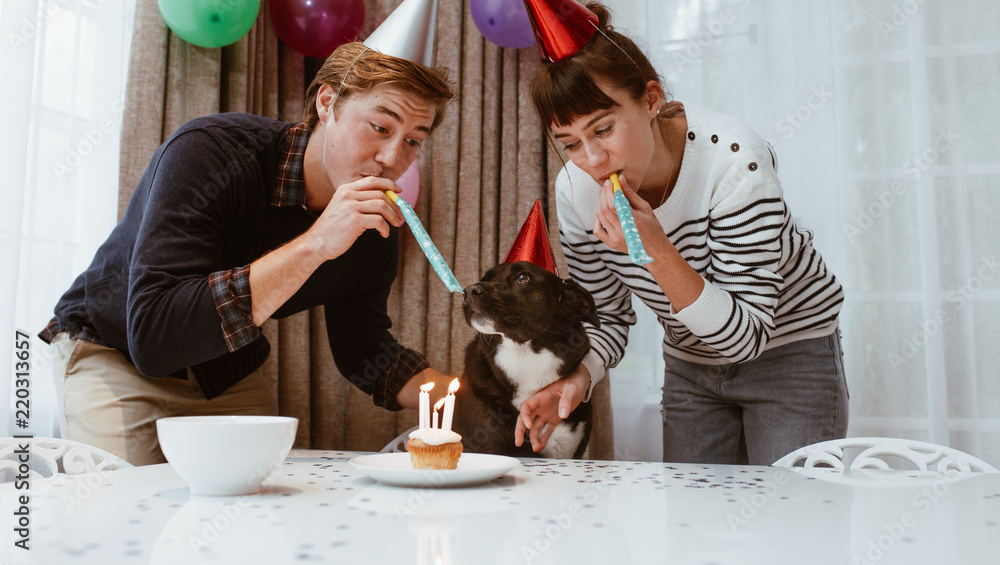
<point x="278" y="275"/>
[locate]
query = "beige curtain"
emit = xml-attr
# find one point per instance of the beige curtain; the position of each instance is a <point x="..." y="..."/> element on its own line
<point x="480" y="174"/>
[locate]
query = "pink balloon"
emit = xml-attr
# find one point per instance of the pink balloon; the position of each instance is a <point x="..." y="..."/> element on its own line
<point x="409" y="181"/>
<point x="316" y="27"/>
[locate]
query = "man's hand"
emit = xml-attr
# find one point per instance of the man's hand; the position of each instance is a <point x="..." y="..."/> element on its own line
<point x="541" y="413"/>
<point x="355" y="207"/>
<point x="409" y="395"/>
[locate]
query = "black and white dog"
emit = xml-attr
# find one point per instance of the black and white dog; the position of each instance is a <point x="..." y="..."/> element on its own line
<point x="530" y="333"/>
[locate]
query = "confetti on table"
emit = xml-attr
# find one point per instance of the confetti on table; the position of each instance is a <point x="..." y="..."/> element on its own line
<point x="424" y="240"/>
<point x="636" y="251"/>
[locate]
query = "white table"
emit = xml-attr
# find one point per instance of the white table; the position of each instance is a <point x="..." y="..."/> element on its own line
<point x="319" y="509"/>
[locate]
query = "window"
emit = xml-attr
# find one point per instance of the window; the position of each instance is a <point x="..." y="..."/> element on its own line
<point x="68" y="62"/>
<point x="884" y="116"/>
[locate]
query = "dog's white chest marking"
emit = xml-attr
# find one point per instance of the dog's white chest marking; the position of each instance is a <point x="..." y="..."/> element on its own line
<point x="530" y="371"/>
<point x="563" y="442"/>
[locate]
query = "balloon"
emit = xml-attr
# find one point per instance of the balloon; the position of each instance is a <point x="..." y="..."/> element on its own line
<point x="409" y="181"/>
<point x="504" y="22"/>
<point x="316" y="27"/>
<point x="210" y="24"/>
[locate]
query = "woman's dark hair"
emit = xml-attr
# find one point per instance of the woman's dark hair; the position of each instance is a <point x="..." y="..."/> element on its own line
<point x="566" y="90"/>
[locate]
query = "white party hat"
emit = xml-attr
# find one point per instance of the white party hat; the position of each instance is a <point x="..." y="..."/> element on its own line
<point x="408" y="32"/>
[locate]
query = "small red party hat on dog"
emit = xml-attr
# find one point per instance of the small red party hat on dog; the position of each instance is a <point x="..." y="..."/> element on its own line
<point x="532" y="242"/>
<point x="562" y="27"/>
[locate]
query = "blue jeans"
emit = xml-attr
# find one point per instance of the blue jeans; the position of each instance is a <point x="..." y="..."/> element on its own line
<point x="757" y="411"/>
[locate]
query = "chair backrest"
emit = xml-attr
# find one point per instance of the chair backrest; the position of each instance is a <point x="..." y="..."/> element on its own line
<point x="884" y="453"/>
<point x="398" y="445"/>
<point x="53" y="456"/>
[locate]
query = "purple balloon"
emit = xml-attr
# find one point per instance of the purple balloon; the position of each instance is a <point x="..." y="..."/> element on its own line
<point x="504" y="22"/>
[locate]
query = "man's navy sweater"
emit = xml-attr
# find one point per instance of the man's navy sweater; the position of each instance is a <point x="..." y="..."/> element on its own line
<point x="203" y="206"/>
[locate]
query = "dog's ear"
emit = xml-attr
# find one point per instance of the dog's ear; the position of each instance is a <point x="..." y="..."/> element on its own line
<point x="578" y="302"/>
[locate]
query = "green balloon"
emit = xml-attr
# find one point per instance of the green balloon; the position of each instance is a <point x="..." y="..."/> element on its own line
<point x="210" y="23"/>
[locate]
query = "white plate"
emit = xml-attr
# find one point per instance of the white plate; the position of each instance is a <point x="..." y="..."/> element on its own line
<point x="397" y="470"/>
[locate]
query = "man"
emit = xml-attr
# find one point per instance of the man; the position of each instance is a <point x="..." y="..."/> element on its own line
<point x="236" y="220"/>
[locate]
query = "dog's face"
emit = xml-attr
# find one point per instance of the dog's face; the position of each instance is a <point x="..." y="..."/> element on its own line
<point x="523" y="301"/>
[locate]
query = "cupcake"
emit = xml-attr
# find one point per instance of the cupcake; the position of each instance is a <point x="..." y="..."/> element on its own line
<point x="434" y="448"/>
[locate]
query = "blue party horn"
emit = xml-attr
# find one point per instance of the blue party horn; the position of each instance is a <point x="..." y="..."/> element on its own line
<point x="426" y="245"/>
<point x="636" y="251"/>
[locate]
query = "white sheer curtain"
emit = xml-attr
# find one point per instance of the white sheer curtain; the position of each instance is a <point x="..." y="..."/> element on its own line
<point x="64" y="66"/>
<point x="884" y="115"/>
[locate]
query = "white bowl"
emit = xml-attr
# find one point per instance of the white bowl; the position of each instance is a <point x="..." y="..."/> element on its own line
<point x="226" y="455"/>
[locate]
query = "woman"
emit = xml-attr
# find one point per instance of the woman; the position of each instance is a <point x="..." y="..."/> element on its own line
<point x="749" y="309"/>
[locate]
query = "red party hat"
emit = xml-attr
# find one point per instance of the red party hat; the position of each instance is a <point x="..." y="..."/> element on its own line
<point x="532" y="242"/>
<point x="562" y="27"/>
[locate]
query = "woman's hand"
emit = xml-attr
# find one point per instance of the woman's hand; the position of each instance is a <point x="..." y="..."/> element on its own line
<point x="608" y="228"/>
<point x="541" y="413"/>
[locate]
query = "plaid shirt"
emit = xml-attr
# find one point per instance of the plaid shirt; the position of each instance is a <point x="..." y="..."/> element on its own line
<point x="290" y="189"/>
<point x="230" y="288"/>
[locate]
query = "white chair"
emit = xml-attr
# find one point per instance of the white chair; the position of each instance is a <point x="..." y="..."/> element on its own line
<point x="54" y="456"/>
<point x="878" y="452"/>
<point x="398" y="445"/>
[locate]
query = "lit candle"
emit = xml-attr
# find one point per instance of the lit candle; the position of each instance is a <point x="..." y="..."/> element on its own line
<point x="437" y="406"/>
<point x="449" y="405"/>
<point x="425" y="405"/>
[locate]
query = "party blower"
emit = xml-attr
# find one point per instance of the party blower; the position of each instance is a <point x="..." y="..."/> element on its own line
<point x="408" y="33"/>
<point x="636" y="251"/>
<point x="428" y="247"/>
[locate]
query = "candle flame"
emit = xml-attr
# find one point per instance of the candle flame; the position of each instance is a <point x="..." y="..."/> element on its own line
<point x="438" y="405"/>
<point x="453" y="387"/>
<point x="426" y="387"/>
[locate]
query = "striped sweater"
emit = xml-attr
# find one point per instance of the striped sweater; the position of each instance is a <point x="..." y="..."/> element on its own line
<point x="765" y="285"/>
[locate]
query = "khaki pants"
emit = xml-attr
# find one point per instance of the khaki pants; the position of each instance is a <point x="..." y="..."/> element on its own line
<point x="105" y="402"/>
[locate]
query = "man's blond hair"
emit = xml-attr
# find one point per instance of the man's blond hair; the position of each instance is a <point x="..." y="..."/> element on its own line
<point x="360" y="69"/>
